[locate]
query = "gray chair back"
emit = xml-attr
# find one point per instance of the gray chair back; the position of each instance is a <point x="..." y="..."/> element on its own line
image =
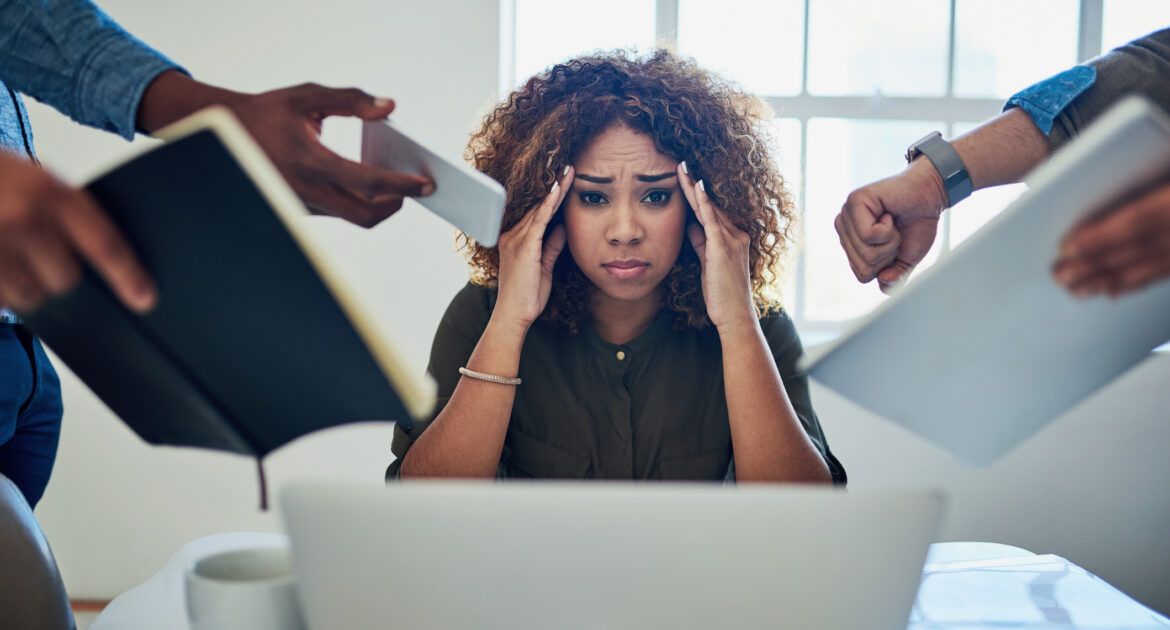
<point x="32" y="595"/>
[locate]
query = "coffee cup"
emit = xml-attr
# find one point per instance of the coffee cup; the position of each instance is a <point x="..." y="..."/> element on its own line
<point x="245" y="588"/>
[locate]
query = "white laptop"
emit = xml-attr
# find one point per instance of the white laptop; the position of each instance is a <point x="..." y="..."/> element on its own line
<point x="594" y="555"/>
<point x="985" y="348"/>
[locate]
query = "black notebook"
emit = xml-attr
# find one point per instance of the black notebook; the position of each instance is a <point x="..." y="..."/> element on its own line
<point x="254" y="341"/>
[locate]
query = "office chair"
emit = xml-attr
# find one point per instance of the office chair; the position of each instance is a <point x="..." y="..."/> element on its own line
<point x="32" y="595"/>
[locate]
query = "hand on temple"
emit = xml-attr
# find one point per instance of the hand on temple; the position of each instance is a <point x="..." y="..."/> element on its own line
<point x="724" y="251"/>
<point x="527" y="258"/>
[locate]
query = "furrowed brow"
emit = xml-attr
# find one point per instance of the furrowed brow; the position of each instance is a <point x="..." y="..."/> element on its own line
<point x="595" y="179"/>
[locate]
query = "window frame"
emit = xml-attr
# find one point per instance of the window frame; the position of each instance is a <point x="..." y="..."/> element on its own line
<point x="802" y="107"/>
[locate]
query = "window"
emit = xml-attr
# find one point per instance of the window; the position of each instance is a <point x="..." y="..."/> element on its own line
<point x="853" y="83"/>
<point x="547" y="32"/>
<point x="1126" y="20"/>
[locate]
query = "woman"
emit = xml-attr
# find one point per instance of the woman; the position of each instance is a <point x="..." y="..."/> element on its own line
<point x="645" y="221"/>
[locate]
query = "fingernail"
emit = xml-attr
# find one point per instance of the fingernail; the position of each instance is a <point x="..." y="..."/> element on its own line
<point x="383" y="102"/>
<point x="702" y="186"/>
<point x="566" y="171"/>
<point x="427" y="189"/>
<point x="145" y="297"/>
<point x="683" y="164"/>
<point x="556" y="185"/>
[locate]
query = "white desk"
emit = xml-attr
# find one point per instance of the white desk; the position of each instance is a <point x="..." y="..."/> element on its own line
<point x="965" y="586"/>
<point x="972" y="586"/>
<point x="161" y="601"/>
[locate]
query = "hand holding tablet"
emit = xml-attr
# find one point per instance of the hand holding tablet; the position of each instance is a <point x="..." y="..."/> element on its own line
<point x="468" y="199"/>
<point x="987" y="348"/>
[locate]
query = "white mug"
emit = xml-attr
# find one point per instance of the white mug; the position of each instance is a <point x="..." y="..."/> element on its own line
<point x="246" y="588"/>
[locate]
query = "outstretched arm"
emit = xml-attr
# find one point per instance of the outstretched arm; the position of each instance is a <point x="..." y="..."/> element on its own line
<point x="71" y="55"/>
<point x="287" y="125"/>
<point x="886" y="228"/>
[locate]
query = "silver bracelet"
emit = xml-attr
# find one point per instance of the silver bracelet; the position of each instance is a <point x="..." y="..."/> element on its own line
<point x="491" y="378"/>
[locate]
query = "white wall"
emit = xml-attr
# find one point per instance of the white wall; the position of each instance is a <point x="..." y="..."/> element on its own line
<point x="1094" y="487"/>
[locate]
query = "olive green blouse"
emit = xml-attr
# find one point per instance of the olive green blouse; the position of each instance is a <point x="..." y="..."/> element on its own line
<point x="653" y="408"/>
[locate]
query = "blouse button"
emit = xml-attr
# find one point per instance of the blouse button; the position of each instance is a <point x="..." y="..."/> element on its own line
<point x="621" y="355"/>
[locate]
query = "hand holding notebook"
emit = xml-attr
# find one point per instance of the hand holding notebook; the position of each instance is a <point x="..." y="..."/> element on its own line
<point x="256" y="339"/>
<point x="49" y="228"/>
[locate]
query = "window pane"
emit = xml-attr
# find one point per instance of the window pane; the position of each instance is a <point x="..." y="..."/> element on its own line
<point x="758" y="43"/>
<point x="1127" y="20"/>
<point x="788" y="285"/>
<point x="1003" y="46"/>
<point x="548" y="31"/>
<point x="861" y="47"/>
<point x="842" y="155"/>
<point x="786" y="151"/>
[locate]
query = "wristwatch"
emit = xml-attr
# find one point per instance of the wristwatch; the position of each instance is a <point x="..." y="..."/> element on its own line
<point x="947" y="162"/>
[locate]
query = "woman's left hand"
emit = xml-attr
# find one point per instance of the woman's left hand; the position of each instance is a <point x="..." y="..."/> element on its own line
<point x="724" y="251"/>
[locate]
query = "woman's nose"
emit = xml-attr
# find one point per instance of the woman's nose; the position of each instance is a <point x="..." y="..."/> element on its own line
<point x="624" y="228"/>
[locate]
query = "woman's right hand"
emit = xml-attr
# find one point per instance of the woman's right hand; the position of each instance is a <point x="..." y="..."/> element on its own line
<point x="526" y="259"/>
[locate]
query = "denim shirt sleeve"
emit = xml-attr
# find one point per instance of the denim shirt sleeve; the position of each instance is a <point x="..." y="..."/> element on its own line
<point x="72" y="56"/>
<point x="1044" y="101"/>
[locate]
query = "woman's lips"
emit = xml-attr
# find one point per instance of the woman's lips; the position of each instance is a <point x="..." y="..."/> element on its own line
<point x="626" y="269"/>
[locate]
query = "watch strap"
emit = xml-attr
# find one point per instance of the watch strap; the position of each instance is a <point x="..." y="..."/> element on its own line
<point x="950" y="167"/>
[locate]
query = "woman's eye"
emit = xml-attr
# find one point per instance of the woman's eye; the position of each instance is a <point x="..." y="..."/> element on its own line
<point x="657" y="197"/>
<point x="592" y="198"/>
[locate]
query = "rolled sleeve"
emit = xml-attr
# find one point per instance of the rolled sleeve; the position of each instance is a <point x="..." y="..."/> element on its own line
<point x="1139" y="67"/>
<point x="72" y="56"/>
<point x="1044" y="101"/>
<point x="110" y="87"/>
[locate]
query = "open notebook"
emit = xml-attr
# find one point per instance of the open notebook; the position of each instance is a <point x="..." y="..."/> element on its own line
<point x="255" y="341"/>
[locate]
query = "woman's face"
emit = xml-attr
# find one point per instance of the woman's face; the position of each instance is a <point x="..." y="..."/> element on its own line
<point x="625" y="214"/>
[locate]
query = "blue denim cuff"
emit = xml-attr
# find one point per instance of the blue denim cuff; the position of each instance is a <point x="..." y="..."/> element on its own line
<point x="113" y="82"/>
<point x="1044" y="101"/>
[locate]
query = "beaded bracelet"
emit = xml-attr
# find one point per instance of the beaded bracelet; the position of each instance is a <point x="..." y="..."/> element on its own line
<point x="490" y="378"/>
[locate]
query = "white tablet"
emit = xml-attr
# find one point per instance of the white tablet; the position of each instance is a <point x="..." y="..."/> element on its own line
<point x="985" y="349"/>
<point x="466" y="198"/>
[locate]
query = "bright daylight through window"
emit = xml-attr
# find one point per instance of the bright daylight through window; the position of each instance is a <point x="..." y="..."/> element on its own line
<point x="852" y="82"/>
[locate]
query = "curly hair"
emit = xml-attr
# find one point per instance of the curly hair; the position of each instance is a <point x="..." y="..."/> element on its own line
<point x="691" y="114"/>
